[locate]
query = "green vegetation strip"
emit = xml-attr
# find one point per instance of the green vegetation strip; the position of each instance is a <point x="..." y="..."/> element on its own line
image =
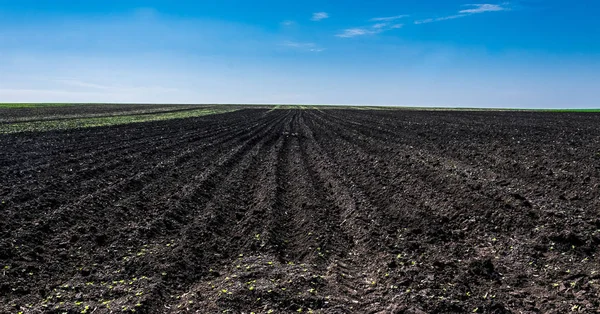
<point x="5" y="105"/>
<point x="40" y="126"/>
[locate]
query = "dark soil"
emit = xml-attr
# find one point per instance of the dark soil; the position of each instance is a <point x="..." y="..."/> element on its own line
<point x="286" y="211"/>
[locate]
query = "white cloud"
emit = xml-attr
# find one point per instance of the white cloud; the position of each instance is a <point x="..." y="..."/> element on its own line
<point x="451" y="17"/>
<point x="288" y="23"/>
<point x="312" y="47"/>
<point x="319" y="16"/>
<point x="372" y="30"/>
<point x="295" y="44"/>
<point x="475" y="9"/>
<point x="482" y="8"/>
<point x="353" y="32"/>
<point x="387" y="19"/>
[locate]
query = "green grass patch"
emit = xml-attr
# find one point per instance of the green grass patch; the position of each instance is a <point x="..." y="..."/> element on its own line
<point x="76" y="123"/>
<point x="24" y="105"/>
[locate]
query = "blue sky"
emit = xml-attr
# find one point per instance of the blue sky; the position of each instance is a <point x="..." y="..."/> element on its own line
<point x="536" y="54"/>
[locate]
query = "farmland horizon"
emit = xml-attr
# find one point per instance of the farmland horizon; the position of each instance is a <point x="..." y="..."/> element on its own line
<point x="390" y="106"/>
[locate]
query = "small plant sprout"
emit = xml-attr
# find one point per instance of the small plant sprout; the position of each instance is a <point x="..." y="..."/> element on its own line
<point x="475" y="310"/>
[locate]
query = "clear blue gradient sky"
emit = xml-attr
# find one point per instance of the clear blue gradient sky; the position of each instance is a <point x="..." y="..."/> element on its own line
<point x="520" y="54"/>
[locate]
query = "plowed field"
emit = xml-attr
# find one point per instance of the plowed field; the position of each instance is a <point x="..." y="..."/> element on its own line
<point x="286" y="211"/>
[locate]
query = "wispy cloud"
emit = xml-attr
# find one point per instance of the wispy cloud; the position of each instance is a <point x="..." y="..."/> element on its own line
<point x="474" y="9"/>
<point x="387" y="19"/>
<point x="383" y="24"/>
<point x="312" y="47"/>
<point x="371" y="30"/>
<point x="353" y="32"/>
<point x="319" y="16"/>
<point x="288" y="23"/>
<point x="482" y="8"/>
<point x="451" y="17"/>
